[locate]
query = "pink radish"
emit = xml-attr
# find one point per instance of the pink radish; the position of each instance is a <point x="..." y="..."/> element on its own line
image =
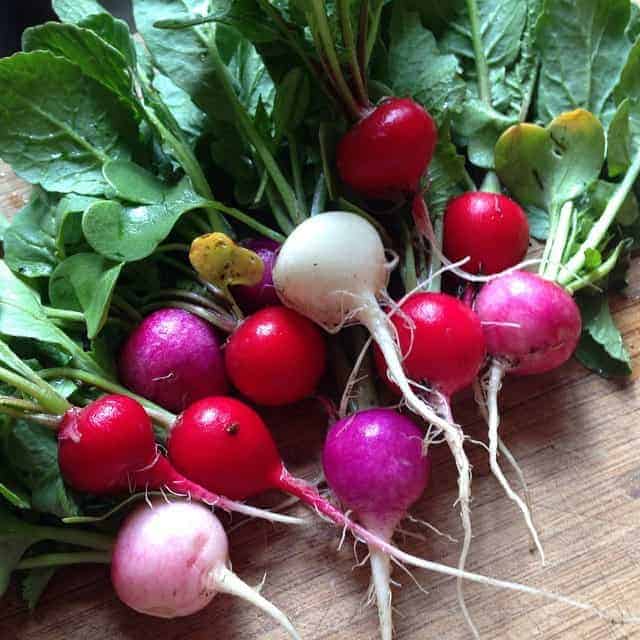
<point x="171" y="559"/>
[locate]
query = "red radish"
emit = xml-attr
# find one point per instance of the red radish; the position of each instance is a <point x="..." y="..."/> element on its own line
<point x="225" y="446"/>
<point x="386" y="153"/>
<point x="443" y="347"/>
<point x="374" y="465"/>
<point x="171" y="559"/>
<point x="489" y="228"/>
<point x="108" y="448"/>
<point x="531" y="325"/>
<point x="332" y="268"/>
<point x="173" y="358"/>
<point x="263" y="294"/>
<point x="276" y="357"/>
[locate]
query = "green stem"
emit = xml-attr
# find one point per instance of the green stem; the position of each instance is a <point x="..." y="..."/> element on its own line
<point x="470" y="184"/>
<point x="528" y="94"/>
<point x="251" y="222"/>
<point x="78" y="537"/>
<point x="296" y="170"/>
<point x="247" y="128"/>
<point x="491" y="183"/>
<point x="597" y="274"/>
<point x="175" y="264"/>
<point x="558" y="242"/>
<point x="482" y="69"/>
<point x="164" y="418"/>
<point x="325" y="37"/>
<point x="64" y="559"/>
<point x="284" y="222"/>
<point x="217" y="320"/>
<point x="319" y="195"/>
<point x="553" y="224"/>
<point x="352" y="52"/>
<point x="409" y="276"/>
<point x="600" y="228"/>
<point x="173" y="246"/>
<point x="373" y="31"/>
<point x="435" y="281"/>
<point x="46" y="396"/>
<point x="64" y="314"/>
<point x="119" y="302"/>
<point x="187" y="295"/>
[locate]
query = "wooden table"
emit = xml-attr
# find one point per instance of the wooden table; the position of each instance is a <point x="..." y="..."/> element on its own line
<point x="577" y="438"/>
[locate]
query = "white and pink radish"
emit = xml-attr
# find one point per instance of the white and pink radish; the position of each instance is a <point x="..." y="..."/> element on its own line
<point x="172" y="558"/>
<point x="374" y="465"/>
<point x="332" y="269"/>
<point x="173" y="358"/>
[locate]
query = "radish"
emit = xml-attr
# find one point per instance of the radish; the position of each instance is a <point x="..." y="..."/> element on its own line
<point x="263" y="294"/>
<point x="170" y="560"/>
<point x="443" y="348"/>
<point x="373" y="463"/>
<point x="226" y="447"/>
<point x="332" y="269"/>
<point x="173" y="358"/>
<point x="276" y="357"/>
<point x="489" y="228"/>
<point x="108" y="448"/>
<point x="531" y="325"/>
<point x="387" y="152"/>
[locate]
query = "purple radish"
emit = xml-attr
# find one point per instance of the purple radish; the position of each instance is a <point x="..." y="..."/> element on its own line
<point x="263" y="294"/>
<point x="373" y="463"/>
<point x="172" y="558"/>
<point x="531" y="325"/>
<point x="173" y="358"/>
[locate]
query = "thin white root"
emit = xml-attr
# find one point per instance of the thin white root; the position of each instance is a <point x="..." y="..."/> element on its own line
<point x="264" y="514"/>
<point x="378" y="324"/>
<point x="380" y="579"/>
<point x="226" y="581"/>
<point x="495" y="380"/>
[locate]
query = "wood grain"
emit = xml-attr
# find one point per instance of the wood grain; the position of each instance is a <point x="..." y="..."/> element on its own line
<point x="577" y="438"/>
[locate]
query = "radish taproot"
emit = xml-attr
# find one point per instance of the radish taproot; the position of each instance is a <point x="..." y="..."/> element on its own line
<point x="108" y="448"/>
<point x="332" y="269"/>
<point x="531" y="325"/>
<point x="173" y="358"/>
<point x="374" y="465"/>
<point x="490" y="229"/>
<point x="226" y="447"/>
<point x="276" y="357"/>
<point x="387" y="152"/>
<point x="171" y="559"/>
<point x="263" y="294"/>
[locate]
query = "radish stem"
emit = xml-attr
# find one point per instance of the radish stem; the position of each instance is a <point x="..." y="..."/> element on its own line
<point x="64" y="559"/>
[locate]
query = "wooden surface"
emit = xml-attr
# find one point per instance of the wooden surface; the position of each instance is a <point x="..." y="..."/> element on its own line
<point x="577" y="438"/>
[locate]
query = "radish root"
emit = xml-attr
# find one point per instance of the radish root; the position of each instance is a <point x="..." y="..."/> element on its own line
<point x="496" y="374"/>
<point x="381" y="581"/>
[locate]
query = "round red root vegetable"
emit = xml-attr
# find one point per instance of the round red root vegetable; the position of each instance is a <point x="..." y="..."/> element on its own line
<point x="276" y="357"/>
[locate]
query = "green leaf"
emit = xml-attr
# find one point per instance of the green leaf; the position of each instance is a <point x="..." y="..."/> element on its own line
<point x="593" y="259"/>
<point x="85" y="282"/>
<point x="619" y="141"/>
<point x="12" y="491"/>
<point x="29" y="244"/>
<point x="546" y="167"/>
<point x="95" y="57"/>
<point x="34" y="583"/>
<point x="446" y="173"/>
<point x="115" y="32"/>
<point x="133" y="183"/>
<point x="125" y="234"/>
<point x="601" y="347"/>
<point x="538" y="222"/>
<point x="417" y="67"/>
<point x="69" y="222"/>
<point x="76" y="10"/>
<point x="11" y="552"/>
<point x="583" y="48"/>
<point x="292" y="101"/>
<point x="44" y="133"/>
<point x="34" y="459"/>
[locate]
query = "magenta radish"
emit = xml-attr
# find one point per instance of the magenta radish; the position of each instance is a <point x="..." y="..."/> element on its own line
<point x="171" y="559"/>
<point x="173" y="358"/>
<point x="332" y="269"/>
<point x="263" y="294"/>
<point x="225" y="446"/>
<point x="531" y="325"/>
<point x="108" y="448"/>
<point x="374" y="465"/>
